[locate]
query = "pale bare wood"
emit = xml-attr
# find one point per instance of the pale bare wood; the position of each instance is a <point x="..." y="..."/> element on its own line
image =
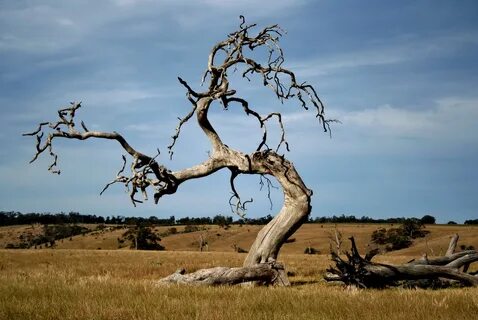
<point x="263" y="273"/>
<point x="452" y="245"/>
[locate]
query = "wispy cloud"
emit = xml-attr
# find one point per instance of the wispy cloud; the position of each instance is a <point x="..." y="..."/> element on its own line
<point x="386" y="52"/>
<point x="449" y="117"/>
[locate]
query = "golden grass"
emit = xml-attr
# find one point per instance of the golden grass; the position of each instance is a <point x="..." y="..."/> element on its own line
<point x="11" y="234"/>
<point x="315" y="235"/>
<point x="90" y="284"/>
<point x="221" y="240"/>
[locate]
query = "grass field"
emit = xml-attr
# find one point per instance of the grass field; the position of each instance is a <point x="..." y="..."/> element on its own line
<point x="122" y="284"/>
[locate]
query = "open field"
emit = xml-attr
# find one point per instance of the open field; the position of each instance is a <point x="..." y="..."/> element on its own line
<point x="71" y="283"/>
<point x="121" y="284"/>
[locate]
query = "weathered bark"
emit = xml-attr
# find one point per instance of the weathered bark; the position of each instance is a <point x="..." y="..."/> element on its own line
<point x="366" y="274"/>
<point x="263" y="273"/>
<point x="147" y="173"/>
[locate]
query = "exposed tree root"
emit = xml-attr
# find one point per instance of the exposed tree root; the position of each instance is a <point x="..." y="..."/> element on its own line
<point x="424" y="272"/>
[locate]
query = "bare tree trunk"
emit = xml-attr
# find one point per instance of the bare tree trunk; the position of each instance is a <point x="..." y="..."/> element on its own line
<point x="294" y="213"/>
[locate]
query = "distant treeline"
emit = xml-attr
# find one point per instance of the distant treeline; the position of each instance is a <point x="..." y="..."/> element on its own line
<point x="18" y="218"/>
<point x="426" y="219"/>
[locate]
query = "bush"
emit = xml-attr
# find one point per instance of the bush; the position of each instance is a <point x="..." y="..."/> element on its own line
<point x="380" y="236"/>
<point x="401" y="237"/>
<point x="396" y="240"/>
<point x="190" y="228"/>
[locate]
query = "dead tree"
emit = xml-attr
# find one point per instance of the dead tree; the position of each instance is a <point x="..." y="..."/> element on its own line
<point x="337" y="240"/>
<point x="424" y="272"/>
<point x="203" y="242"/>
<point x="240" y="51"/>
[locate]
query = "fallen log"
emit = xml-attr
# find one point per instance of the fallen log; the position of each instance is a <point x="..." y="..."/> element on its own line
<point x="270" y="273"/>
<point x="424" y="272"/>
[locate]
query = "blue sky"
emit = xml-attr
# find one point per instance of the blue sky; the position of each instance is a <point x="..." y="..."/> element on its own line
<point x="401" y="76"/>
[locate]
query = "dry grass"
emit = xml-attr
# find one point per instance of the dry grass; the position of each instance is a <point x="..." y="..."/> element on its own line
<point x="11" y="234"/>
<point x="82" y="284"/>
<point x="221" y="240"/>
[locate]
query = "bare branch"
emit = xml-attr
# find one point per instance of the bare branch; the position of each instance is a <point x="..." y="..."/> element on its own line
<point x="269" y="185"/>
<point x="37" y="130"/>
<point x="178" y="129"/>
<point x="238" y="207"/>
<point x="66" y="128"/>
<point x="119" y="177"/>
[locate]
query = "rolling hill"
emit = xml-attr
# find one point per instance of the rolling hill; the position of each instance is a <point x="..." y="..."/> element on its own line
<point x="221" y="239"/>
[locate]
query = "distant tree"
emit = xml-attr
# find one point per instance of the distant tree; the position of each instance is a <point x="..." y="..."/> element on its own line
<point x="142" y="238"/>
<point x="222" y="221"/>
<point x="475" y="221"/>
<point x="428" y="219"/>
<point x="451" y="222"/>
<point x="413" y="228"/>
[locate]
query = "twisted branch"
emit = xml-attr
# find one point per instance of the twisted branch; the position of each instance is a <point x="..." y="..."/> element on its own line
<point x="237" y="206"/>
<point x="146" y="172"/>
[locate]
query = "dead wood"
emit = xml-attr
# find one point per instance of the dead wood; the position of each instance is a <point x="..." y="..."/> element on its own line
<point x="271" y="273"/>
<point x="452" y="245"/>
<point x="442" y="271"/>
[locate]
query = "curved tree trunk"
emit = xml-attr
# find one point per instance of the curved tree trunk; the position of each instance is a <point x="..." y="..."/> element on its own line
<point x="294" y="213"/>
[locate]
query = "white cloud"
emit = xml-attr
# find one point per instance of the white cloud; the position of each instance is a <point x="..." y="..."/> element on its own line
<point x="65" y="22"/>
<point x="111" y="97"/>
<point x="450" y="117"/>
